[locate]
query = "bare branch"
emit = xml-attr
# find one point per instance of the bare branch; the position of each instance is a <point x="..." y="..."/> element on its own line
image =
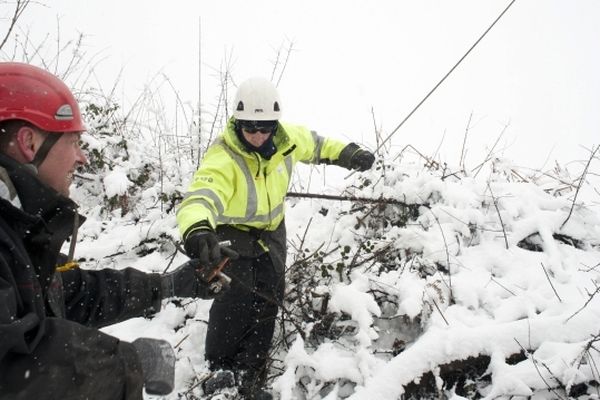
<point x="461" y="162"/>
<point x="353" y="199"/>
<point x="20" y="7"/>
<point x="581" y="180"/>
<point x="451" y="297"/>
<point x="585" y="305"/>
<point x="535" y="364"/>
<point x="491" y="152"/>
<point x="502" y="286"/>
<point x="440" y="311"/>
<point x="549" y="281"/>
<point x="285" y="62"/>
<point x="495" y="201"/>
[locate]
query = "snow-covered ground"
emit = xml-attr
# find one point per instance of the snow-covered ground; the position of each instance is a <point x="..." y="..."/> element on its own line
<point x="498" y="267"/>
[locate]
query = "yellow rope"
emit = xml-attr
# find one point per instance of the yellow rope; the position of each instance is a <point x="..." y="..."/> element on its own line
<point x="67" y="266"/>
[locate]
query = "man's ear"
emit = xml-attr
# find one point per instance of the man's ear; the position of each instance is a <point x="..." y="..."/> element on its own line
<point x="27" y="143"/>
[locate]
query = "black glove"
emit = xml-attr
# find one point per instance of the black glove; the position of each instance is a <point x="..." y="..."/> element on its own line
<point x="158" y="365"/>
<point x="187" y="280"/>
<point x="362" y="160"/>
<point x="204" y="245"/>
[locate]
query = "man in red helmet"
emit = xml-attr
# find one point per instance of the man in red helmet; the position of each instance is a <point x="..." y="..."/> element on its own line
<point x="50" y="345"/>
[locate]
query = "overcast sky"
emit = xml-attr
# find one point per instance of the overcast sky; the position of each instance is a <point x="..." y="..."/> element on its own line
<point x="537" y="70"/>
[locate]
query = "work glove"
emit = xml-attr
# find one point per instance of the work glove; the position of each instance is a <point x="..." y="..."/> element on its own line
<point x="362" y="160"/>
<point x="353" y="157"/>
<point x="158" y="365"/>
<point x="189" y="280"/>
<point x="203" y="244"/>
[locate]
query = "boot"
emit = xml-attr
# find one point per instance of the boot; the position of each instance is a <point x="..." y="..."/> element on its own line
<point x="219" y="380"/>
<point x="251" y="393"/>
<point x="252" y="385"/>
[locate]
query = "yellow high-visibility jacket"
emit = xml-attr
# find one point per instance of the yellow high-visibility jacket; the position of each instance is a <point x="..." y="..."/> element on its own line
<point x="240" y="188"/>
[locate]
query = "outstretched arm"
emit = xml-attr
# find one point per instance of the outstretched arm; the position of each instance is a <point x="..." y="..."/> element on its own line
<point x="107" y="296"/>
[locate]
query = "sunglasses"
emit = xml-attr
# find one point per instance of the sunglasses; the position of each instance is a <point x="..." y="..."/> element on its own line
<point x="254" y="127"/>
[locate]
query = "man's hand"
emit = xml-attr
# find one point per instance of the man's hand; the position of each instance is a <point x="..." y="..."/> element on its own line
<point x="187" y="280"/>
<point x="158" y="365"/>
<point x="354" y="157"/>
<point x="362" y="160"/>
<point x="204" y="245"/>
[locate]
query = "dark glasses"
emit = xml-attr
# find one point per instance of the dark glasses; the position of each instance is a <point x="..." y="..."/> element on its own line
<point x="253" y="127"/>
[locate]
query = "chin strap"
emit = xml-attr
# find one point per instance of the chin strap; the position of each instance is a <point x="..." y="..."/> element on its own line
<point x="38" y="159"/>
<point x="40" y="156"/>
<point x="71" y="263"/>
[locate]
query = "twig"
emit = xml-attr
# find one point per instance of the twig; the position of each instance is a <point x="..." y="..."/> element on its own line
<point x="494" y="200"/>
<point x="199" y="91"/>
<point x="181" y="341"/>
<point x="314" y="254"/>
<point x="585" y="305"/>
<point x="462" y="151"/>
<point x="518" y="175"/>
<point x="305" y="233"/>
<point x="533" y="360"/>
<point x="594" y="369"/>
<point x="581" y="180"/>
<point x="491" y="152"/>
<point x="553" y="375"/>
<point x="502" y="286"/>
<point x="440" y="311"/>
<point x="588" y="346"/>
<point x="352" y="199"/>
<point x="589" y="268"/>
<point x="373" y="255"/>
<point x="430" y="163"/>
<point x="377" y="132"/>
<point x="177" y="248"/>
<point x="437" y="150"/>
<point x="20" y="6"/>
<point x="447" y="255"/>
<point x="549" y="281"/>
<point x="200" y="382"/>
<point x="285" y="62"/>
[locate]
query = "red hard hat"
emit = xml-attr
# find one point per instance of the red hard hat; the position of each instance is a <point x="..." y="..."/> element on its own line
<point x="32" y="94"/>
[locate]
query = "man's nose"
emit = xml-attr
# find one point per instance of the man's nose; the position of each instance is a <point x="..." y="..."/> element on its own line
<point x="82" y="159"/>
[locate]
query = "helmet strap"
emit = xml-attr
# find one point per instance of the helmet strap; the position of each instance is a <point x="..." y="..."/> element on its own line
<point x="44" y="149"/>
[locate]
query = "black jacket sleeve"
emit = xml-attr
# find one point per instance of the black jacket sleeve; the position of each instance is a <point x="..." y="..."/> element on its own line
<point x="107" y="296"/>
<point x="70" y="361"/>
<point x="52" y="358"/>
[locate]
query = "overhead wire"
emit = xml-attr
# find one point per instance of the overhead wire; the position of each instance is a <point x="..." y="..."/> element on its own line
<point x="445" y="76"/>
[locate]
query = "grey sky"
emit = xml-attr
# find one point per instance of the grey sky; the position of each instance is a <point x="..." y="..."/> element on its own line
<point x="537" y="71"/>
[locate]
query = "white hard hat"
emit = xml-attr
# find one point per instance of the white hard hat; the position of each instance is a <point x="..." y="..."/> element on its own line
<point x="257" y="99"/>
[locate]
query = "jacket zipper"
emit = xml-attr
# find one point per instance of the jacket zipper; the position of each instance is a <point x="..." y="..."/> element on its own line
<point x="268" y="197"/>
<point x="266" y="191"/>
<point x="258" y="161"/>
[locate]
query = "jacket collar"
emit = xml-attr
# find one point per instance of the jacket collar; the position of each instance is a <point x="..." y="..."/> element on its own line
<point x="281" y="140"/>
<point x="43" y="214"/>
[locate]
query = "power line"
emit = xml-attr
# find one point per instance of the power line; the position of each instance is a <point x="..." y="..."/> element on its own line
<point x="445" y="76"/>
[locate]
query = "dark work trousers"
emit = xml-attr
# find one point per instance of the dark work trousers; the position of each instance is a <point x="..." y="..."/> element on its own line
<point x="242" y="322"/>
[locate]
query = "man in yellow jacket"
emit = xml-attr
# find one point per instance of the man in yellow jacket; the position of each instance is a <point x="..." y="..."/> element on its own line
<point x="238" y="194"/>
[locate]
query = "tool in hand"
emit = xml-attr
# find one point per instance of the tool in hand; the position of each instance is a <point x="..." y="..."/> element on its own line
<point x="215" y="276"/>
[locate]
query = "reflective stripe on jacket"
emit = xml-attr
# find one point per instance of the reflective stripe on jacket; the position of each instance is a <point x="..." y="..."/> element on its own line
<point x="240" y="188"/>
